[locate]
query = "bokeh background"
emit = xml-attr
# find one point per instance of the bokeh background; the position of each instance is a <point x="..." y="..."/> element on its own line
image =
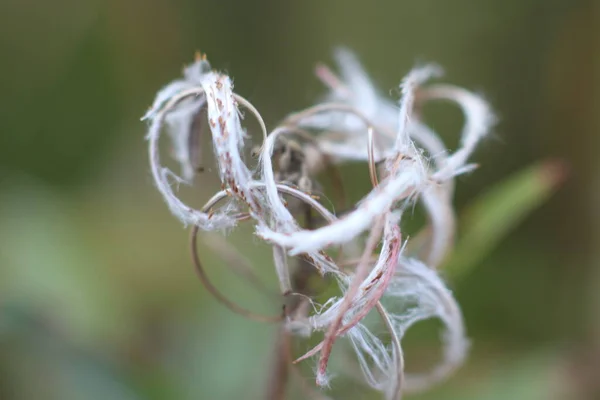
<point x="98" y="299"/>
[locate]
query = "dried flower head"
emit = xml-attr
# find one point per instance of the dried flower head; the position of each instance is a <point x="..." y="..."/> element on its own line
<point x="407" y="162"/>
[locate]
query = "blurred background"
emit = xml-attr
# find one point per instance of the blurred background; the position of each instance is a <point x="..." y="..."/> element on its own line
<point x="98" y="299"/>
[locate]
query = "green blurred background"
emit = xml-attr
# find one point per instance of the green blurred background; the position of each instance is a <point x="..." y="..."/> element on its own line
<point x="98" y="299"/>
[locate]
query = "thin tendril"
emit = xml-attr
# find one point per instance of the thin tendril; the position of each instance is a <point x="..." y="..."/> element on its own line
<point x="370" y="150"/>
<point x="200" y="269"/>
<point x="238" y="263"/>
<point x="257" y="115"/>
<point x="296" y="118"/>
<point x="195" y="91"/>
<point x="397" y="391"/>
<point x="206" y="281"/>
<point x="217" y="294"/>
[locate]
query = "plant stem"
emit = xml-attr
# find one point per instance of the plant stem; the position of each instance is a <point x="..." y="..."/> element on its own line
<point x="279" y="376"/>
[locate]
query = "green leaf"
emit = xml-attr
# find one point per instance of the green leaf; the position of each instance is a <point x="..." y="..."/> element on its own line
<point x="492" y="216"/>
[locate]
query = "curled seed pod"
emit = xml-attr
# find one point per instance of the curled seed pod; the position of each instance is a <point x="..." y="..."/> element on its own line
<point x="406" y="161"/>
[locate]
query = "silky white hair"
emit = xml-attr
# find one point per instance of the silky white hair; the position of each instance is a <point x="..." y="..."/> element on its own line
<point x="353" y="123"/>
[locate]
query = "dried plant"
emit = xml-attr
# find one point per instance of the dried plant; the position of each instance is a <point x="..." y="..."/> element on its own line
<point x="407" y="163"/>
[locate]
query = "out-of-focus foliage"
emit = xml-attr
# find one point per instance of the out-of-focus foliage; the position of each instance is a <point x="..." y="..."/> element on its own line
<point x="494" y="214"/>
<point x="97" y="295"/>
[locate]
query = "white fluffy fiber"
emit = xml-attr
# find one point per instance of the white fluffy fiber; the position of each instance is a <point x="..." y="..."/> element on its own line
<point x="416" y="165"/>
